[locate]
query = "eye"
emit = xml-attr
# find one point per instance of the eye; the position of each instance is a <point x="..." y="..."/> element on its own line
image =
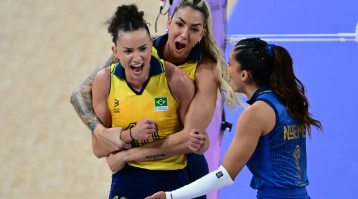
<point x="179" y="24"/>
<point x="127" y="51"/>
<point x="142" y="49"/>
<point x="195" y="29"/>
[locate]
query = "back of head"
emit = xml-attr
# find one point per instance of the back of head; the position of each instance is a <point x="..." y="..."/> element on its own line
<point x="271" y="65"/>
<point x="210" y="49"/>
<point x="127" y="18"/>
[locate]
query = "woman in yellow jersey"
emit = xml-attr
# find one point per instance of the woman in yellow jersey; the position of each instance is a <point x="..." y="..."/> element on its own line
<point x="146" y="97"/>
<point x="190" y="27"/>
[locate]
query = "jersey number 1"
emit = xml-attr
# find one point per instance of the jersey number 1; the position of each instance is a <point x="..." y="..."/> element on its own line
<point x="297" y="156"/>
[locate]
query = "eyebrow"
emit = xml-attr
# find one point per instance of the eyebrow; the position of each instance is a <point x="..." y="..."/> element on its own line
<point x="132" y="48"/>
<point x="197" y="24"/>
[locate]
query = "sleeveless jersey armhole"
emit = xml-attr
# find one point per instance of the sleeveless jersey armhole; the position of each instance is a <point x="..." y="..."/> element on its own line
<point x="275" y="110"/>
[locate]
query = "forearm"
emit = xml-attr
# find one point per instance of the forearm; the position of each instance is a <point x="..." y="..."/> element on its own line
<point x="211" y="182"/>
<point x="175" y="144"/>
<point x="99" y="150"/>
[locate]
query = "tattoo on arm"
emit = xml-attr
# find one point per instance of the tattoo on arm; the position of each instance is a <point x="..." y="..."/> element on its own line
<point x="81" y="98"/>
<point x="154" y="156"/>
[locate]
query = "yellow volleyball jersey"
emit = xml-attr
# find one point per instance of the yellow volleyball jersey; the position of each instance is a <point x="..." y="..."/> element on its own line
<point x="155" y="101"/>
<point x="189" y="66"/>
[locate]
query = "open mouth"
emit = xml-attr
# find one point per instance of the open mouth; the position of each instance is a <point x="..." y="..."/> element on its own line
<point x="137" y="68"/>
<point x="179" y="46"/>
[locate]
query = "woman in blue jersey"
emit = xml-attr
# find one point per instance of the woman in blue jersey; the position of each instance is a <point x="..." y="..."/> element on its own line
<point x="147" y="98"/>
<point x="271" y="133"/>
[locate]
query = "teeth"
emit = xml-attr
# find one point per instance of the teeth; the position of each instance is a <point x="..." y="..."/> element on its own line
<point x="137" y="65"/>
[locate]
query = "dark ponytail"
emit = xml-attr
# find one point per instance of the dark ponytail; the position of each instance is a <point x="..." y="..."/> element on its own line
<point x="272" y="66"/>
<point x="290" y="89"/>
<point x="127" y="18"/>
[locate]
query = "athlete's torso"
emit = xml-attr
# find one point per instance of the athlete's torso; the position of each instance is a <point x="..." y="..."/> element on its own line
<point x="155" y="101"/>
<point x="279" y="160"/>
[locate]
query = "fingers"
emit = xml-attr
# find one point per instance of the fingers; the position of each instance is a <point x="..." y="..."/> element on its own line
<point x="150" y="126"/>
<point x="197" y="138"/>
<point x="194" y="131"/>
<point x="196" y="141"/>
<point x="147" y="121"/>
<point x="146" y="129"/>
<point x="194" y="149"/>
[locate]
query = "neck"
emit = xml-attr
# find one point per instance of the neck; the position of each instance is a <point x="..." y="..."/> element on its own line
<point x="167" y="55"/>
<point x="250" y="90"/>
<point x="136" y="83"/>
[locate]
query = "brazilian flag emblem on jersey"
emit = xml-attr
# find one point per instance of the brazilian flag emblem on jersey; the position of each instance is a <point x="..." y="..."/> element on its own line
<point x="161" y="104"/>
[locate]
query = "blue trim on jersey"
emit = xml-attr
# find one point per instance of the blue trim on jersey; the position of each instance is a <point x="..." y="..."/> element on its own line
<point x="155" y="69"/>
<point x="194" y="55"/>
<point x="258" y="92"/>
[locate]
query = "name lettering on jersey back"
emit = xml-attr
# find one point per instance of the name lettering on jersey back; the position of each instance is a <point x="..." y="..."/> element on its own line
<point x="291" y="132"/>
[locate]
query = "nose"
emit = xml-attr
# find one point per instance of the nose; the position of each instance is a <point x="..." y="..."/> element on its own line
<point x="137" y="57"/>
<point x="185" y="33"/>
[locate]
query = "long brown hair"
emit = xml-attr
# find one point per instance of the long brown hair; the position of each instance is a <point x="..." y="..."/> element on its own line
<point x="272" y="66"/>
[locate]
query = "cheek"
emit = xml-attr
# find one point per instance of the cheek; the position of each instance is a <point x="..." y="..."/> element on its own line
<point x="171" y="36"/>
<point x="124" y="59"/>
<point x="147" y="55"/>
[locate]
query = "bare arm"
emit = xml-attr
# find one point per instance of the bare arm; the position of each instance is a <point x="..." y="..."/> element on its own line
<point x="182" y="88"/>
<point x="247" y="136"/>
<point x="199" y="115"/>
<point x="81" y="99"/>
<point x="101" y="85"/>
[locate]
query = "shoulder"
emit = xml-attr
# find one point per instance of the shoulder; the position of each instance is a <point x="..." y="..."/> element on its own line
<point x="206" y="70"/>
<point x="260" y="113"/>
<point x="103" y="74"/>
<point x="207" y="63"/>
<point x="258" y="109"/>
<point x="175" y="74"/>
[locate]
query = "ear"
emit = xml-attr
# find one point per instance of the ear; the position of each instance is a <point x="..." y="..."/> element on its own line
<point x="244" y="75"/>
<point x="115" y="51"/>
<point x="203" y="33"/>
<point x="169" y="22"/>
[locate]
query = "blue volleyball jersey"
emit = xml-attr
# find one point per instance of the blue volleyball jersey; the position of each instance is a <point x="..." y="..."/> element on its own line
<point x="279" y="160"/>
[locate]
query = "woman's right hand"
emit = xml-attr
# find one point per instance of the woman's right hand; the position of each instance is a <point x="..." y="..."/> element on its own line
<point x="143" y="129"/>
